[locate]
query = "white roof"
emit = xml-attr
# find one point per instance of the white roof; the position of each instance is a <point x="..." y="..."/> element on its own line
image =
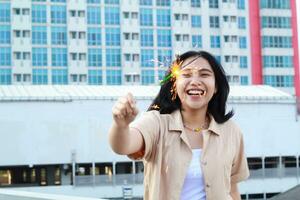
<point x="88" y="92"/>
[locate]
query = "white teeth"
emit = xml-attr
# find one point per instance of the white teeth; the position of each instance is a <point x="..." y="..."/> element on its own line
<point x="196" y="92"/>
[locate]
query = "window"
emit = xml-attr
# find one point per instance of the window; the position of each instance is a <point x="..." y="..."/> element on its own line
<point x="164" y="38"/>
<point x="244" y="80"/>
<point x="215" y="42"/>
<point x="163" y="2"/>
<point x="4" y="34"/>
<point x="39" y="13"/>
<point x="241" y="4"/>
<point x="93" y="15"/>
<point x="39" y="57"/>
<point x="164" y="58"/>
<point x="39" y="35"/>
<point x="4" y="12"/>
<point x="242" y="23"/>
<point x="214" y="22"/>
<point x="242" y="42"/>
<point x="146" y="18"/>
<point x="112" y="36"/>
<point x="163" y="17"/>
<point x="197" y="41"/>
<point x="147" y="58"/>
<point x="39" y="76"/>
<point x="146" y="37"/>
<point x="113" y="57"/>
<point x="213" y="3"/>
<point x="58" y="14"/>
<point x="94" y="1"/>
<point x="94" y="36"/>
<point x="277" y="42"/>
<point x="195" y="3"/>
<point x="196" y="21"/>
<point x="95" y="57"/>
<point x="275" y="4"/>
<point x="25" y="11"/>
<point x="113" y="77"/>
<point x="279" y="81"/>
<point x="278" y="61"/>
<point x="59" y="76"/>
<point x="112" y="15"/>
<point x="111" y="1"/>
<point x="94" y="77"/>
<point x="5" y="56"/>
<point x="5" y="76"/>
<point x="276" y="22"/>
<point x="146" y="2"/>
<point x="58" y="35"/>
<point x="243" y="62"/>
<point x="59" y="57"/>
<point x="147" y="77"/>
<point x="59" y="1"/>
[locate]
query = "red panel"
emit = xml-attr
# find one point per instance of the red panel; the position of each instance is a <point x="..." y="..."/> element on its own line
<point x="255" y="42"/>
<point x="295" y="47"/>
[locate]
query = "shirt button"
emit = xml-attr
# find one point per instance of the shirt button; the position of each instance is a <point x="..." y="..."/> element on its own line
<point x="207" y="185"/>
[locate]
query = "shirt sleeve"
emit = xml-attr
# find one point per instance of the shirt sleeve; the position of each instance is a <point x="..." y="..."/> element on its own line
<point x="148" y="125"/>
<point x="240" y="170"/>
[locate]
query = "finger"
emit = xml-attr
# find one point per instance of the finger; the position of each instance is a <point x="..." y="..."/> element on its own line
<point x="131" y="100"/>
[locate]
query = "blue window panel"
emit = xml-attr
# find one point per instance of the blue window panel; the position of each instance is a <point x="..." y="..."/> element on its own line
<point x="95" y="57"/>
<point x="58" y="14"/>
<point x="59" y="76"/>
<point x="161" y="75"/>
<point x="196" y="21"/>
<point x="94" y="36"/>
<point x="39" y="76"/>
<point x="147" y="58"/>
<point x="38" y="13"/>
<point x="39" y="0"/>
<point x="112" y="16"/>
<point x="58" y="35"/>
<point x="59" y="57"/>
<point x="4" y="12"/>
<point x="94" y="1"/>
<point x="275" y="4"/>
<point x="95" y="77"/>
<point x="112" y="36"/>
<point x="278" y="61"/>
<point x="215" y="42"/>
<point x="196" y="3"/>
<point x="163" y="17"/>
<point x="242" y="42"/>
<point x="241" y="4"/>
<point x="146" y="17"/>
<point x="164" y="38"/>
<point x="113" y="57"/>
<point x="276" y="22"/>
<point x="146" y="2"/>
<point x="5" y="76"/>
<point x="163" y="2"/>
<point x="242" y="23"/>
<point x="39" y="57"/>
<point x="279" y="81"/>
<point x="164" y="57"/>
<point x="113" y="77"/>
<point x="218" y="58"/>
<point x="197" y="41"/>
<point x="147" y="77"/>
<point x="244" y="80"/>
<point x="277" y="42"/>
<point x="39" y="35"/>
<point x="5" y="56"/>
<point x="93" y="15"/>
<point x="59" y="1"/>
<point x="213" y="4"/>
<point x="146" y="37"/>
<point x="112" y="2"/>
<point x="5" y="34"/>
<point x="243" y="62"/>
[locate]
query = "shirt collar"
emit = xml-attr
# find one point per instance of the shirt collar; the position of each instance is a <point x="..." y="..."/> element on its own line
<point x="176" y="124"/>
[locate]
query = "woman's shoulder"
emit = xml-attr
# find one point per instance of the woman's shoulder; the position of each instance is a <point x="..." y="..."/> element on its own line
<point x="233" y="127"/>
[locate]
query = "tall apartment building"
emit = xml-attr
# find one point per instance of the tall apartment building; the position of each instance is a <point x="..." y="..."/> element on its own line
<point x="132" y="41"/>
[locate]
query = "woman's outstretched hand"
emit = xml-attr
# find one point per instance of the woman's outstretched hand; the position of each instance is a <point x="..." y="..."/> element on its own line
<point x="124" y="111"/>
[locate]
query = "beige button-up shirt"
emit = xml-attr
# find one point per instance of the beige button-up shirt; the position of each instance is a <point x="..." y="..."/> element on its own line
<point x="168" y="154"/>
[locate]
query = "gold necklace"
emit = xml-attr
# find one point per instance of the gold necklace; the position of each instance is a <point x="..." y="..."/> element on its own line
<point x="198" y="129"/>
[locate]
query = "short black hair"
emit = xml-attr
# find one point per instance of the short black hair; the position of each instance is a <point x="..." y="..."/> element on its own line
<point x="217" y="105"/>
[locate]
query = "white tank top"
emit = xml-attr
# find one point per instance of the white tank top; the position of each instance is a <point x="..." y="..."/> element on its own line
<point x="193" y="186"/>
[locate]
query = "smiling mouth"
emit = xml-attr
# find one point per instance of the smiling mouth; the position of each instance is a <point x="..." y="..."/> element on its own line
<point x="196" y="92"/>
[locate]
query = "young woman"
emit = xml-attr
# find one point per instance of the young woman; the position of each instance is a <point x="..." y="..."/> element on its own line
<point x="190" y="147"/>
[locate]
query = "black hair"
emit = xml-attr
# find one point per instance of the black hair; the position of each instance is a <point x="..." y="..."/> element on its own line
<point x="217" y="105"/>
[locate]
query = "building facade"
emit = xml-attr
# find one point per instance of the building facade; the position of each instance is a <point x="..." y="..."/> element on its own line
<point x="131" y="42"/>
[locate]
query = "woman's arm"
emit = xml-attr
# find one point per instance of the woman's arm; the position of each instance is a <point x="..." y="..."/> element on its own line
<point x="234" y="192"/>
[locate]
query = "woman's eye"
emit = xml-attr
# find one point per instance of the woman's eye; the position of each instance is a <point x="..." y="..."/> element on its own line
<point x="205" y="75"/>
<point x="185" y="75"/>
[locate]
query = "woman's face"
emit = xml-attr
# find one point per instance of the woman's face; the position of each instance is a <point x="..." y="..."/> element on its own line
<point x="195" y="83"/>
